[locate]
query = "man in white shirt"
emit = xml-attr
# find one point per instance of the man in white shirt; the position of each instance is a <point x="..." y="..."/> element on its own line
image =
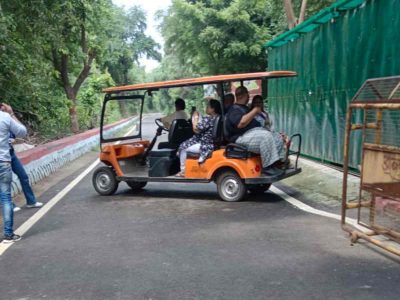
<point x="8" y="123"/>
<point x="178" y="114"/>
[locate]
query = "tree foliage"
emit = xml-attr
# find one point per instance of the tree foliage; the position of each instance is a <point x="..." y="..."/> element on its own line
<point x="48" y="49"/>
<point x="224" y="36"/>
<point x="302" y="8"/>
<point x="56" y="56"/>
<point x="214" y="37"/>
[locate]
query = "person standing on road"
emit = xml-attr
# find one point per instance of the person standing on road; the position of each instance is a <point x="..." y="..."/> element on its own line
<point x="8" y="123"/>
<point x="19" y="170"/>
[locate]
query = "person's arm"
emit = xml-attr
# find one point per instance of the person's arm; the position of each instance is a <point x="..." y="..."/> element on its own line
<point x="195" y="122"/>
<point x="246" y="119"/>
<point x="167" y="120"/>
<point x="16" y="126"/>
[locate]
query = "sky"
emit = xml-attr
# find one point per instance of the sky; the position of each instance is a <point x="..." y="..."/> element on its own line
<point x="150" y="7"/>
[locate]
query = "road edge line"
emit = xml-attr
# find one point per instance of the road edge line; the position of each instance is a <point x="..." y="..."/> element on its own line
<point x="49" y="205"/>
<point x="53" y="201"/>
<point x="304" y="207"/>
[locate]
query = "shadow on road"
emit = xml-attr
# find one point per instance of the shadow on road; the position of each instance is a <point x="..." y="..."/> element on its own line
<point x="201" y="192"/>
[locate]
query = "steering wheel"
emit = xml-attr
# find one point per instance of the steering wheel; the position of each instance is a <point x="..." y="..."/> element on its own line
<point x="160" y="125"/>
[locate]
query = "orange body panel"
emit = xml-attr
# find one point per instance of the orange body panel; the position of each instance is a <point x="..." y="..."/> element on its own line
<point x="246" y="168"/>
<point x="110" y="154"/>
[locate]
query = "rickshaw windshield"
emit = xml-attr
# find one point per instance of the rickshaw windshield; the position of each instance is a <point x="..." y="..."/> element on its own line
<point x="121" y="118"/>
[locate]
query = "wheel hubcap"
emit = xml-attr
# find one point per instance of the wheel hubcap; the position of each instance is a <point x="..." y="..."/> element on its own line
<point x="103" y="181"/>
<point x="230" y="188"/>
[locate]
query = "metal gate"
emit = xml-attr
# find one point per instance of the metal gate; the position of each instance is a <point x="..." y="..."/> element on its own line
<point x="378" y="205"/>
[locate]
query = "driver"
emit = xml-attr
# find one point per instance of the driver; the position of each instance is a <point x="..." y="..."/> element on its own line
<point x="244" y="130"/>
<point x="178" y="114"/>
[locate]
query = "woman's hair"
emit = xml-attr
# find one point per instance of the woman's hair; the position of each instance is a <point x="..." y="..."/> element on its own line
<point x="257" y="97"/>
<point x="214" y="104"/>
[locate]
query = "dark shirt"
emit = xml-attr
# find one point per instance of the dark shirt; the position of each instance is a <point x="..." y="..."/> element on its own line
<point x="235" y="114"/>
<point x="227" y="108"/>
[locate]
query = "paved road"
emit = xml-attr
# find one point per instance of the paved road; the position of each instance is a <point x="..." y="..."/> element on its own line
<point x="177" y="241"/>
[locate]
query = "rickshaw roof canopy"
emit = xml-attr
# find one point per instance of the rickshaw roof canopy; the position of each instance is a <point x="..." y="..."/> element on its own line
<point x="199" y="81"/>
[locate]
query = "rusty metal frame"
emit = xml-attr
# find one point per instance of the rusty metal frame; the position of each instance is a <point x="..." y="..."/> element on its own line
<point x="374" y="229"/>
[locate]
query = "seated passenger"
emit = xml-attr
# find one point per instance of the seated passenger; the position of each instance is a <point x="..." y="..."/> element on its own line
<point x="178" y="114"/>
<point x="262" y="117"/>
<point x="202" y="141"/>
<point x="244" y="130"/>
<point x="229" y="100"/>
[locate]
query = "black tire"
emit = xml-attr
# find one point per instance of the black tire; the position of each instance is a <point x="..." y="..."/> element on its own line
<point x="104" y="181"/>
<point x="258" y="189"/>
<point x="135" y="185"/>
<point x="231" y="187"/>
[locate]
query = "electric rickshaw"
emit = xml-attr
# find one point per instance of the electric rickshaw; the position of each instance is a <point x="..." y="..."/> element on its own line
<point x="138" y="161"/>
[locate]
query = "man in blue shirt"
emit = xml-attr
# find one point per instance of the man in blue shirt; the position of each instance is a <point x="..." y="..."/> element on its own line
<point x="8" y="123"/>
<point x="246" y="131"/>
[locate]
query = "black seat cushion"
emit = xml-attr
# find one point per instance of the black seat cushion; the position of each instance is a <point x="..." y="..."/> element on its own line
<point x="217" y="132"/>
<point x="167" y="145"/>
<point x="192" y="155"/>
<point x="162" y="153"/>
<point x="238" y="151"/>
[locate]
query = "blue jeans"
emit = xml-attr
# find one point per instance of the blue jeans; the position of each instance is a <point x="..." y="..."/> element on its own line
<point x="5" y="197"/>
<point x="19" y="170"/>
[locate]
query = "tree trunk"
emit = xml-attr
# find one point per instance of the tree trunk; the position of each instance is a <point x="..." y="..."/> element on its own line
<point x="123" y="108"/>
<point x="61" y="63"/>
<point x="302" y="11"/>
<point x="71" y="96"/>
<point x="73" y="116"/>
<point x="291" y="19"/>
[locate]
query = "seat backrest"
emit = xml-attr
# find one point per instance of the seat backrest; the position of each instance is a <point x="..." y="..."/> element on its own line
<point x="217" y="132"/>
<point x="180" y="131"/>
<point x="225" y="129"/>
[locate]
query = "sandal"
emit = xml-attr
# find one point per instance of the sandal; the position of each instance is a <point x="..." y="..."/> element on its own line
<point x="180" y="174"/>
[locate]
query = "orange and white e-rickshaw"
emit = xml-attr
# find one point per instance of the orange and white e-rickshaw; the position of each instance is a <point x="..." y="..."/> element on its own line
<point x="136" y="161"/>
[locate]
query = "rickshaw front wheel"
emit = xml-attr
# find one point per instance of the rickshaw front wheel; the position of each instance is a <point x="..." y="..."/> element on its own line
<point x="231" y="187"/>
<point x="104" y="181"/>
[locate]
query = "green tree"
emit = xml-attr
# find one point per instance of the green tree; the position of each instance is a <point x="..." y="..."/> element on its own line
<point x="44" y="42"/>
<point x="215" y="37"/>
<point x="129" y="44"/>
<point x="225" y="36"/>
<point x="302" y="8"/>
<point x="68" y="34"/>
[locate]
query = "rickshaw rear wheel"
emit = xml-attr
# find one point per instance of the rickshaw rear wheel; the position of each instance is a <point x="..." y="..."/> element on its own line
<point x="104" y="181"/>
<point x="135" y="185"/>
<point x="231" y="187"/>
<point x="257" y="189"/>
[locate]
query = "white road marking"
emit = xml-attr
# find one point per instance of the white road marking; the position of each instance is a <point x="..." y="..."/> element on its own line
<point x="312" y="210"/>
<point x="45" y="209"/>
